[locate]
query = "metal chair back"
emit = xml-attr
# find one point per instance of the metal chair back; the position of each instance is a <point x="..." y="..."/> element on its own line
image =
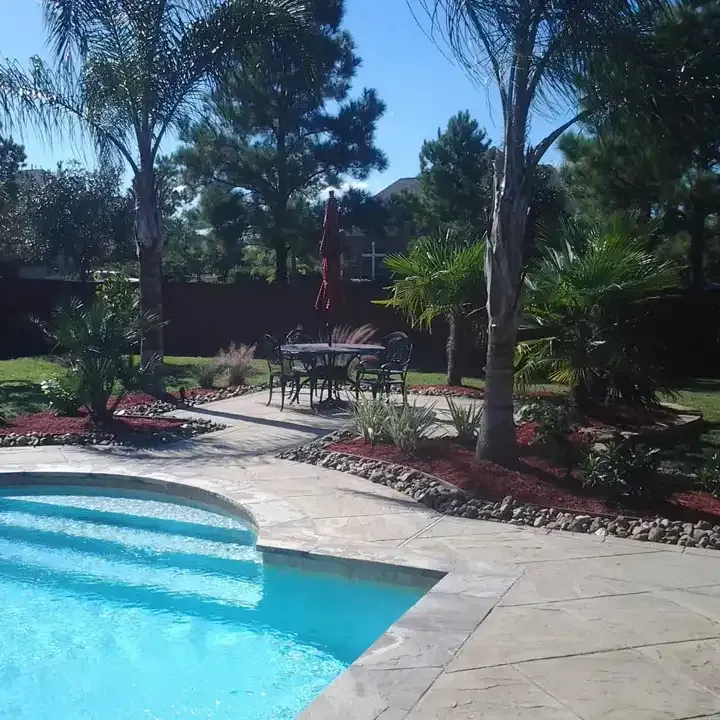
<point x="398" y="351"/>
<point x="298" y="336"/>
<point x="273" y="353"/>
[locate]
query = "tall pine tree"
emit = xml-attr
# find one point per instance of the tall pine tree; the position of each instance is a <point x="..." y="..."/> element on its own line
<point x="285" y="126"/>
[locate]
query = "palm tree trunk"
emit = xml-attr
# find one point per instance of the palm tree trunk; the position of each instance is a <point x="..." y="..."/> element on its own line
<point x="452" y="348"/>
<point x="503" y="272"/>
<point x="281" y="258"/>
<point x="697" y="251"/>
<point x="150" y="251"/>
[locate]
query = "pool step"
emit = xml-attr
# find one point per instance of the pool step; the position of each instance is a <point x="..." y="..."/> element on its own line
<point x="210" y="525"/>
<point x="240" y="562"/>
<point x="92" y="572"/>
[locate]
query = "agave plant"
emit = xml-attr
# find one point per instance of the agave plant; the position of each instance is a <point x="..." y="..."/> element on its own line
<point x="582" y="300"/>
<point x="440" y="276"/>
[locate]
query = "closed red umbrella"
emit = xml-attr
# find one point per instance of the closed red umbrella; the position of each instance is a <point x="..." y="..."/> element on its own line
<point x="330" y="297"/>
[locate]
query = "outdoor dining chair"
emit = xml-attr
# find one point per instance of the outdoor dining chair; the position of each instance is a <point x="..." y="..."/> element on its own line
<point x="388" y="372"/>
<point x="282" y="370"/>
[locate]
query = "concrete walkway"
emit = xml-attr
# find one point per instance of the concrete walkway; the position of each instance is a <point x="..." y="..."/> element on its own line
<point x="575" y="627"/>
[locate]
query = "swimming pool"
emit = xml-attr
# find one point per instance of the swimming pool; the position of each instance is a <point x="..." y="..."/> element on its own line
<point x="115" y="607"/>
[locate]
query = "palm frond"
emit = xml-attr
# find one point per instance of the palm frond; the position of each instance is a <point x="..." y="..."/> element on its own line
<point x="441" y="274"/>
<point x="126" y="71"/>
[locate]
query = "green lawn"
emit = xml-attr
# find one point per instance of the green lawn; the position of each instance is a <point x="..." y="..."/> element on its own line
<point x="20" y="393"/>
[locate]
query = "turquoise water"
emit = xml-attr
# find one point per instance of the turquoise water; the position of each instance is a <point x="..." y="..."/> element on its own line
<point x="115" y="608"/>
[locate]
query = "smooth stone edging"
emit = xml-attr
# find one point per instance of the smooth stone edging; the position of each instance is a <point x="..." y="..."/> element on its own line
<point x="447" y="499"/>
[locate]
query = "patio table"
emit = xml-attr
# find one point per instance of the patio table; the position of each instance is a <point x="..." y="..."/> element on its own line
<point x="330" y="353"/>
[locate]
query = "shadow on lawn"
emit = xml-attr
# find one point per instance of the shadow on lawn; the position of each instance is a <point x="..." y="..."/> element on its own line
<point x="20" y="398"/>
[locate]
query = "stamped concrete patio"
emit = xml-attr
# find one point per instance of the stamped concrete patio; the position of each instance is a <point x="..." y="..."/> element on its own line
<point x="527" y="624"/>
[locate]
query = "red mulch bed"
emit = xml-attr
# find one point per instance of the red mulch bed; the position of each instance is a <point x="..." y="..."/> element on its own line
<point x="134" y="399"/>
<point x="444" y="390"/>
<point x="48" y="423"/>
<point x="534" y="481"/>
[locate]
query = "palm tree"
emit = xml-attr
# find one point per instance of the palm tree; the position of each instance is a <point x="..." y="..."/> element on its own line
<point x="535" y="52"/>
<point x="440" y="276"/>
<point x="127" y="73"/>
<point x="582" y="298"/>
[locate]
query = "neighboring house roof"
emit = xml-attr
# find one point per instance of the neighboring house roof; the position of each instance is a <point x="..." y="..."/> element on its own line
<point x="411" y="184"/>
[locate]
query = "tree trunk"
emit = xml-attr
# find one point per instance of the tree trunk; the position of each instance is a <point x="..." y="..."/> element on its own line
<point x="503" y="273"/>
<point x="293" y="264"/>
<point x="452" y="348"/>
<point x="281" y="258"/>
<point x="697" y="251"/>
<point x="150" y="251"/>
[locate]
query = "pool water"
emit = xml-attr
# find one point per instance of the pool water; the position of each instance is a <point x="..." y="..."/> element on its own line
<point x="117" y="608"/>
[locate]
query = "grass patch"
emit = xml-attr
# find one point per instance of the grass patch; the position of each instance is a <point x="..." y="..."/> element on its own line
<point x="20" y="379"/>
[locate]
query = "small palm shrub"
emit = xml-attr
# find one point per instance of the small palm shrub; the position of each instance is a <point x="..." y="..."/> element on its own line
<point x="64" y="393"/>
<point x="408" y="425"/>
<point x="586" y="301"/>
<point x="708" y="476"/>
<point x="97" y="344"/>
<point x="465" y="418"/>
<point x="237" y="363"/>
<point x="370" y="418"/>
<point x="621" y="468"/>
<point x="207" y="374"/>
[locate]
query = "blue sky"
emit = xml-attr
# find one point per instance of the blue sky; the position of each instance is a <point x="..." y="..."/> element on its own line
<point x="422" y="89"/>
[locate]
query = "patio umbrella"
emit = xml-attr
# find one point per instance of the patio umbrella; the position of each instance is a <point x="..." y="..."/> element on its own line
<point x="330" y="297"/>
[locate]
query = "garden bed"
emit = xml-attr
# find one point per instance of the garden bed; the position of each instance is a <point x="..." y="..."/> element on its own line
<point x="46" y="428"/>
<point x="138" y="420"/>
<point x="535" y="481"/>
<point x="444" y="475"/>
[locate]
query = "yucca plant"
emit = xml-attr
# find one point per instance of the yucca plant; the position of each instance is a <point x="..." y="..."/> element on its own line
<point x="584" y="300"/>
<point x="440" y="276"/>
<point x="370" y="418"/>
<point x="465" y="418"/>
<point x="408" y="425"/>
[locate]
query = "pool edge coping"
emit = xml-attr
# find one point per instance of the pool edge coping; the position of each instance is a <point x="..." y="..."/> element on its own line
<point x="402" y="664"/>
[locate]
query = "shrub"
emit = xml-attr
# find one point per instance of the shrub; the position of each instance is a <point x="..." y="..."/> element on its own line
<point x="408" y="425"/>
<point x="98" y="344"/>
<point x="621" y="468"/>
<point x="363" y="335"/>
<point x="465" y="418"/>
<point x="64" y="393"/>
<point x="120" y="296"/>
<point x="553" y="421"/>
<point x="207" y="373"/>
<point x="370" y="418"/>
<point x="587" y="301"/>
<point x="237" y="362"/>
<point x="708" y="477"/>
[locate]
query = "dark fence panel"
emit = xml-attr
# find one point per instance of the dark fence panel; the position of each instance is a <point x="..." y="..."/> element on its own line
<point x="202" y="318"/>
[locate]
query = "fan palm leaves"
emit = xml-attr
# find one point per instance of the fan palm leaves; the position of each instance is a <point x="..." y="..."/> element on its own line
<point x="441" y="275"/>
<point x="582" y="299"/>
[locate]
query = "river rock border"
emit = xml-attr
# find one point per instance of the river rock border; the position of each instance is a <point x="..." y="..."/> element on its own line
<point x="189" y="429"/>
<point x="449" y="500"/>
